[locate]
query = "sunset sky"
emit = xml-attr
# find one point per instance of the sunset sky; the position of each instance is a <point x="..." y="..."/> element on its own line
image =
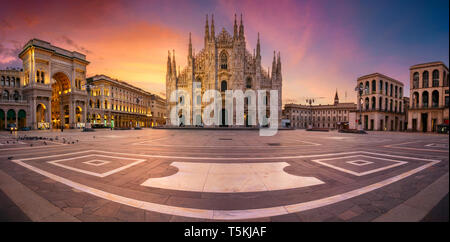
<point x="324" y="45"/>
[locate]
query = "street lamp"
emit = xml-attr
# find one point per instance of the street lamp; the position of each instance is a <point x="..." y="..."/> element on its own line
<point x="88" y="119"/>
<point x="310" y="101"/>
<point x="360" y="90"/>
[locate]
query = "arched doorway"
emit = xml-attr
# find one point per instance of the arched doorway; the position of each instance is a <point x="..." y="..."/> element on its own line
<point x="2" y="119"/>
<point x="22" y="118"/>
<point x="11" y="116"/>
<point x="41" y="111"/>
<point x="59" y="104"/>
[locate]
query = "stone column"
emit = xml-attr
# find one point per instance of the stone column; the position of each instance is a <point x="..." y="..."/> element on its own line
<point x="33" y="113"/>
<point x="49" y="114"/>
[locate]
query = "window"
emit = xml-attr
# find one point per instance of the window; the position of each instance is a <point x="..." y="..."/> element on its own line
<point x="5" y="95"/>
<point x="223" y="61"/>
<point x="446" y="101"/>
<point x="223" y="86"/>
<point x="373" y="103"/>
<point x="381" y="86"/>
<point x="415" y="99"/>
<point x="396" y="91"/>
<point x="435" y="78"/>
<point x="425" y="99"/>
<point x="400" y="92"/>
<point x="435" y="98"/>
<point x="390" y="90"/>
<point x="445" y="79"/>
<point x="249" y="83"/>
<point x="374" y="86"/>
<point x="367" y="88"/>
<point x="416" y="80"/>
<point x="425" y="77"/>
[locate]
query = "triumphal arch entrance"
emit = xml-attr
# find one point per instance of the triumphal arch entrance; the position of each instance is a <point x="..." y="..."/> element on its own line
<point x="54" y="85"/>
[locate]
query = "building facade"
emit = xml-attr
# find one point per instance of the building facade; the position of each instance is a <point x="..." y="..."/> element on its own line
<point x="382" y="104"/>
<point x="223" y="64"/>
<point x="158" y="111"/>
<point x="13" y="105"/>
<point x="48" y="91"/>
<point x="429" y="96"/>
<point x="117" y="104"/>
<point x="333" y="116"/>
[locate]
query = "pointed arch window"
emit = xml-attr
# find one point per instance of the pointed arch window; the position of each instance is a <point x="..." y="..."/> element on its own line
<point x="249" y="82"/>
<point x="223" y="61"/>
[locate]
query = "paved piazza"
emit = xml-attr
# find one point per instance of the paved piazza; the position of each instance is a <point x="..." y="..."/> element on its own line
<point x="223" y="175"/>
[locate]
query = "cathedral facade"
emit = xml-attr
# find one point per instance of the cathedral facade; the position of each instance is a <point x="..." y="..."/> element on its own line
<point x="223" y="64"/>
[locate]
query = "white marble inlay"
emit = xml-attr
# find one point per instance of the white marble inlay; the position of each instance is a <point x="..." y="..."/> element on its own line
<point x="104" y="174"/>
<point x="359" y="162"/>
<point x="374" y="158"/>
<point x="229" y="214"/>
<point x="231" y="177"/>
<point x="97" y="162"/>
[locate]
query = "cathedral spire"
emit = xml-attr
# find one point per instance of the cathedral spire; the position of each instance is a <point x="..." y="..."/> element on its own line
<point x="241" y="29"/>
<point x="174" y="64"/>
<point x="258" y="49"/>
<point x="190" y="45"/>
<point x="235" y="33"/>
<point x="274" y="66"/>
<point x="278" y="64"/>
<point x="206" y="31"/>
<point x="336" y="98"/>
<point x="213" y="34"/>
<point x="169" y="65"/>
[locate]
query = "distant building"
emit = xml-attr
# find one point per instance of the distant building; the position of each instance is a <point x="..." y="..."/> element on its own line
<point x="429" y="92"/>
<point x="158" y="111"/>
<point x="382" y="103"/>
<point x="14" y="107"/>
<point x="333" y="116"/>
<point x="116" y="103"/>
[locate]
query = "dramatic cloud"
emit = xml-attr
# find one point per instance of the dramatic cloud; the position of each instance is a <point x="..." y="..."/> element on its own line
<point x="324" y="45"/>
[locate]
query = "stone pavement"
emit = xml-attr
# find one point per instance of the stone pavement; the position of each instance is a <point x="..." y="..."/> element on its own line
<point x="220" y="175"/>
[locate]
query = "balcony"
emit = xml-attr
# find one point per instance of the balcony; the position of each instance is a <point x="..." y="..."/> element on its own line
<point x="381" y="110"/>
<point x="6" y="101"/>
<point x="429" y="107"/>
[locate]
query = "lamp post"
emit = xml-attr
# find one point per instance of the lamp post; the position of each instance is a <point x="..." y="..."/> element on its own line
<point x="310" y="101"/>
<point x="360" y="90"/>
<point x="88" y="119"/>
